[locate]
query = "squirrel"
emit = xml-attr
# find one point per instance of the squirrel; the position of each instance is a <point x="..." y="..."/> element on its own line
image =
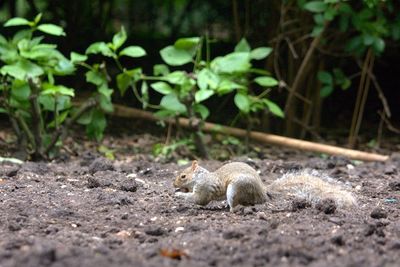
<point x="240" y="184"/>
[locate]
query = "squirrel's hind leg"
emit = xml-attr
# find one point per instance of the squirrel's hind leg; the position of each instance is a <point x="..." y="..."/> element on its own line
<point x="244" y="193"/>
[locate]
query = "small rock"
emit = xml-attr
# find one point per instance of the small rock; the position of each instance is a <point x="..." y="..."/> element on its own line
<point x="378" y="213"/>
<point x="179" y="229"/>
<point x="232" y="235"/>
<point x="155" y="231"/>
<point x="262" y="216"/>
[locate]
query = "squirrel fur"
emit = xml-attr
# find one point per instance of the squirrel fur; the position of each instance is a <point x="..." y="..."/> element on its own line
<point x="240" y="184"/>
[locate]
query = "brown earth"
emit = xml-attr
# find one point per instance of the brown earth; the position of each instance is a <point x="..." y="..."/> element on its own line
<point x="89" y="211"/>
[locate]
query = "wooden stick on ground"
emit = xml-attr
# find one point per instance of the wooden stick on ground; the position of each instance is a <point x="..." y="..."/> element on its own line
<point x="127" y="112"/>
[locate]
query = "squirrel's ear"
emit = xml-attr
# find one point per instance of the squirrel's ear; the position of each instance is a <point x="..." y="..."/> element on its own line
<point x="194" y="165"/>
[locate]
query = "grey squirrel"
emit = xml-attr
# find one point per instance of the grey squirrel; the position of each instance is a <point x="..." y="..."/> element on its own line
<point x="240" y="184"/>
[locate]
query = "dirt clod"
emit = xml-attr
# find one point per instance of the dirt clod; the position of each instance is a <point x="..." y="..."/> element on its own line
<point x="327" y="206"/>
<point x="299" y="204"/>
<point x="128" y="186"/>
<point x="394" y="186"/>
<point x="155" y="231"/>
<point x="338" y="240"/>
<point x="232" y="234"/>
<point x="101" y="164"/>
<point x="378" y="213"/>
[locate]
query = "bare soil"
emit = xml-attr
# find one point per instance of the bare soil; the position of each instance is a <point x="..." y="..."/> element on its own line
<point x="90" y="211"/>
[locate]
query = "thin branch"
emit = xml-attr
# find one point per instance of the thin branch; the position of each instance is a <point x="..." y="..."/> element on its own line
<point x="379" y="91"/>
<point x="389" y="125"/>
<point x="61" y="132"/>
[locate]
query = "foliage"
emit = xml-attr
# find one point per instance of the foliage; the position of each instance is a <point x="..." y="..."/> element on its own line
<point x="36" y="104"/>
<point x="184" y="93"/>
<point x="40" y="109"/>
<point x="97" y="74"/>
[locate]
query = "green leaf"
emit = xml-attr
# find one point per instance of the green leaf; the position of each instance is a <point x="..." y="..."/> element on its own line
<point x="86" y="118"/>
<point x="260" y="53"/>
<point x="119" y="38"/>
<point x="325" y="78"/>
<point x="47" y="102"/>
<point x="100" y="48"/>
<point x="51" y="89"/>
<point x="379" y="45"/>
<point x="76" y="58"/>
<point x="319" y="19"/>
<point x="133" y="51"/>
<point x="3" y="41"/>
<point x="202" y="110"/>
<point x="162" y="114"/>
<point x="105" y="98"/>
<point x="20" y="90"/>
<point x="160" y="70"/>
<point x="177" y="77"/>
<point x="207" y="79"/>
<point x="51" y="29"/>
<point x="175" y="57"/>
<point x="227" y="86"/>
<point x="17" y="22"/>
<point x="162" y="87"/>
<point x="202" y="95"/>
<point x="330" y="13"/>
<point x="189" y="44"/>
<point x="354" y="44"/>
<point x="22" y="69"/>
<point x="274" y="108"/>
<point x="345" y="84"/>
<point x="315" y="6"/>
<point x="242" y="46"/>
<point x="242" y="102"/>
<point x="95" y="77"/>
<point x="97" y="125"/>
<point x="123" y="82"/>
<point x="326" y="91"/>
<point x="170" y="102"/>
<point x="236" y="62"/>
<point x="60" y="119"/>
<point x="2" y="110"/>
<point x="368" y="39"/>
<point x="64" y="67"/>
<point x="317" y="30"/>
<point x="266" y="81"/>
<point x="37" y="18"/>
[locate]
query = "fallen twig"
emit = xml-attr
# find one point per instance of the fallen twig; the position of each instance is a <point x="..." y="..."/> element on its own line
<point x="128" y="112"/>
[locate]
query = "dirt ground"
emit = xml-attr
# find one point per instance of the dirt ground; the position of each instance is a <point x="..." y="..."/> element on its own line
<point x="90" y="211"/>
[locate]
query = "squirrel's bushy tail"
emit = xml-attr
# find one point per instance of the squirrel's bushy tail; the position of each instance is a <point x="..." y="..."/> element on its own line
<point x="313" y="187"/>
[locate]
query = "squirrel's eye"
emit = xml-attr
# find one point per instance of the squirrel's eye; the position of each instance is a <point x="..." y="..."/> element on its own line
<point x="183" y="176"/>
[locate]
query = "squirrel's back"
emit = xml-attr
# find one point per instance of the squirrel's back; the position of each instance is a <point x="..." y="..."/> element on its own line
<point x="312" y="187"/>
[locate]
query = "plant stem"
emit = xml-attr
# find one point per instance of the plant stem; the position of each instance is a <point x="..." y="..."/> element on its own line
<point x="37" y="120"/>
<point x="25" y="129"/>
<point x="61" y="132"/>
